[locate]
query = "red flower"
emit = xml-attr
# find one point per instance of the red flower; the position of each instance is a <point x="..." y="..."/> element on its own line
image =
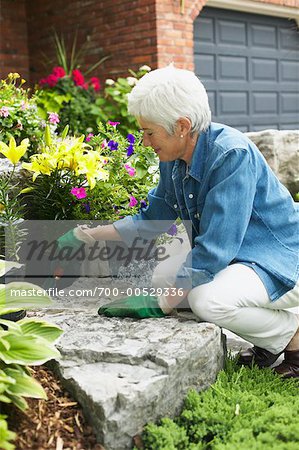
<point x="95" y="82"/>
<point x="78" y="78"/>
<point x="52" y="80"/>
<point x="58" y="71"/>
<point x="43" y="81"/>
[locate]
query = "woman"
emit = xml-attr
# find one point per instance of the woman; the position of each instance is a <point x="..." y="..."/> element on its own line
<point x="242" y="270"/>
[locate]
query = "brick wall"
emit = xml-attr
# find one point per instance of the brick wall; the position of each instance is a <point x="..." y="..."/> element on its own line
<point x="131" y="32"/>
<point x="13" y="38"/>
<point x="125" y="30"/>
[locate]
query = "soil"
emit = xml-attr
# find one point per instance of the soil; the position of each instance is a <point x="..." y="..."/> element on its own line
<point x="56" y="423"/>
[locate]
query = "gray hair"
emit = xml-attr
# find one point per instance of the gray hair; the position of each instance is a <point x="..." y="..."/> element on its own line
<point x="165" y="95"/>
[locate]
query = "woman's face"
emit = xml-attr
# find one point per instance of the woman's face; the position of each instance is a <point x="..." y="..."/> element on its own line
<point x="168" y="147"/>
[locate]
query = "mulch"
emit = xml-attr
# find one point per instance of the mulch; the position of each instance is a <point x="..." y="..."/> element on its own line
<point x="56" y="423"/>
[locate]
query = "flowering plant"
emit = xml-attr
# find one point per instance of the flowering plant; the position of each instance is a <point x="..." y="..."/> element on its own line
<point x="64" y="170"/>
<point x="11" y="209"/>
<point x="132" y="171"/>
<point x="114" y="101"/>
<point x="70" y="96"/>
<point x="18" y="112"/>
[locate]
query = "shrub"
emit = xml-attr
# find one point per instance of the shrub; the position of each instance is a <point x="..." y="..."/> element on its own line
<point x="245" y="408"/>
<point x="114" y="102"/>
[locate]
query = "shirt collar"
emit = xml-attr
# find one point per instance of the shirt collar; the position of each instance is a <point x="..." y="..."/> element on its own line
<point x="199" y="155"/>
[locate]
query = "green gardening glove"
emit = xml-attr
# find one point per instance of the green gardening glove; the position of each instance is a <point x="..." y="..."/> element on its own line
<point x="137" y="307"/>
<point x="69" y="240"/>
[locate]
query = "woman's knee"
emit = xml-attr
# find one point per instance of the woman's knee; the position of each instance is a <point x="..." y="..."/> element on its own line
<point x="205" y="302"/>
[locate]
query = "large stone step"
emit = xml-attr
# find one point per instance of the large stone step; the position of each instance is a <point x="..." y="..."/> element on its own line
<point x="126" y="372"/>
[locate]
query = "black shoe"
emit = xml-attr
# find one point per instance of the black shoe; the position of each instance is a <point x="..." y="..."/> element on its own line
<point x="256" y="355"/>
<point x="289" y="368"/>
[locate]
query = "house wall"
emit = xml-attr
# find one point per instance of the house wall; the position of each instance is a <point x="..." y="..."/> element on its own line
<point x="131" y="32"/>
<point x="13" y="38"/>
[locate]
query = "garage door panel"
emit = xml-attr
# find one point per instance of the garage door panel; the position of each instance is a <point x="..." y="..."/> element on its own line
<point x="287" y="41"/>
<point x="290" y="102"/>
<point x="290" y="71"/>
<point x="205" y="32"/>
<point x="264" y="102"/>
<point x="232" y="67"/>
<point x="263" y="36"/>
<point x="232" y="102"/>
<point x="231" y="32"/>
<point x="264" y="69"/>
<point x="212" y="102"/>
<point x="207" y="66"/>
<point x="264" y="126"/>
<point x="249" y="67"/>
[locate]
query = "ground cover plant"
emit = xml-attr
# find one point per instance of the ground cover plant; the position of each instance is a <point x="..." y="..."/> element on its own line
<point x="244" y="409"/>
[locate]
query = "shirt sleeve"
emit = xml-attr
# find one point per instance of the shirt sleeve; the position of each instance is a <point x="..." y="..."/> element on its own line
<point x="151" y="221"/>
<point x="224" y="219"/>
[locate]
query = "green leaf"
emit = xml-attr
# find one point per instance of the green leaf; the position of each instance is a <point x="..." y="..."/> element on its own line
<point x="40" y="328"/>
<point x="6" y="266"/>
<point x="21" y="293"/>
<point x="19" y="402"/>
<point x="25" y="350"/>
<point x="25" y="385"/>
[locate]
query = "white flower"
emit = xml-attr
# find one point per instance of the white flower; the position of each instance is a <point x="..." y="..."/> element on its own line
<point x="132" y="81"/>
<point x="145" y="68"/>
<point x="109" y="81"/>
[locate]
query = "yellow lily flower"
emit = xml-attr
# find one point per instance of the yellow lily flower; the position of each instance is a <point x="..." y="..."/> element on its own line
<point x="14" y="152"/>
<point x="43" y="163"/>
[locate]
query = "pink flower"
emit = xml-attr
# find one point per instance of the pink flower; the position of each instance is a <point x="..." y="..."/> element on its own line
<point x="114" y="124"/>
<point x="133" y="201"/>
<point x="53" y="118"/>
<point x="79" y="192"/>
<point x="58" y="72"/>
<point x="78" y="77"/>
<point x="104" y="144"/>
<point x="96" y="84"/>
<point x="4" y="111"/>
<point x="131" y="171"/>
<point x="89" y="136"/>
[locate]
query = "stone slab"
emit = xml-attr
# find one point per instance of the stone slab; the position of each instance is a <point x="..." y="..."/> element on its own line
<point x="126" y="373"/>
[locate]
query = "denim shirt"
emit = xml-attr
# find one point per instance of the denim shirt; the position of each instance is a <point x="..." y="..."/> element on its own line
<point x="239" y="211"/>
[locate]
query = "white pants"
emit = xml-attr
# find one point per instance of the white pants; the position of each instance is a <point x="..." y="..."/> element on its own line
<point x="237" y="300"/>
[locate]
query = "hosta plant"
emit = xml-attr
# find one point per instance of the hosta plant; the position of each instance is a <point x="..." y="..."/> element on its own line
<point x="28" y="342"/>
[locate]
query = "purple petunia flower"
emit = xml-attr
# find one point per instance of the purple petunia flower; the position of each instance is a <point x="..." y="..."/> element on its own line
<point x="130" y="150"/>
<point x="143" y="204"/>
<point x="87" y="207"/>
<point x="173" y="230"/>
<point x="131" y="138"/>
<point x="113" y="145"/>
